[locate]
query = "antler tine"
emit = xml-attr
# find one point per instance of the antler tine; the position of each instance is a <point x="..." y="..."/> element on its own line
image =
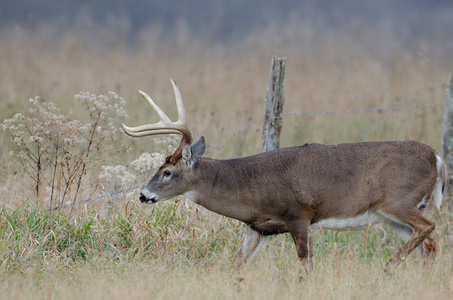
<point x="165" y="125"/>
<point x="138" y="131"/>
<point x="163" y="117"/>
<point x="179" y="104"/>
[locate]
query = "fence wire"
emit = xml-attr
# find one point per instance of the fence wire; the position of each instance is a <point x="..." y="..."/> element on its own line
<point x="236" y="132"/>
<point x="377" y="109"/>
<point x="96" y="198"/>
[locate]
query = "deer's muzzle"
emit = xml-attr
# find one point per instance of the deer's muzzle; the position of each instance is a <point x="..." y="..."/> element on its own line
<point x="147" y="197"/>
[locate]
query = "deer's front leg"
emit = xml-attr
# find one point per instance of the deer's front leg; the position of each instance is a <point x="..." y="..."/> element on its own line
<point x="252" y="244"/>
<point x="301" y="233"/>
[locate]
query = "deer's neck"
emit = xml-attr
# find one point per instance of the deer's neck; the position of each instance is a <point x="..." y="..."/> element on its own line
<point x="218" y="186"/>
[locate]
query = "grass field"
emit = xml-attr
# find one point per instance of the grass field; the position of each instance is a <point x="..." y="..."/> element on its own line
<point x="120" y="248"/>
<point x="176" y="250"/>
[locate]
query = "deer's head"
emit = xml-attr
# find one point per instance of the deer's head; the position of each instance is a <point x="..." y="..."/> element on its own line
<point x="175" y="176"/>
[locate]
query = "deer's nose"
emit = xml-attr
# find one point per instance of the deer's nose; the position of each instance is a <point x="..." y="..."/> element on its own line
<point x="142" y="198"/>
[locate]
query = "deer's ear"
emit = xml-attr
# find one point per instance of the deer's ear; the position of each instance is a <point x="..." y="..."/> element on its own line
<point x="190" y="153"/>
<point x="199" y="147"/>
<point x="187" y="152"/>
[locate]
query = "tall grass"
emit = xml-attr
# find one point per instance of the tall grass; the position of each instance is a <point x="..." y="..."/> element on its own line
<point x="123" y="249"/>
<point x="176" y="250"/>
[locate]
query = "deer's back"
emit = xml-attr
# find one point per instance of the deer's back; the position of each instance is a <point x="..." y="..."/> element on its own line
<point x="327" y="178"/>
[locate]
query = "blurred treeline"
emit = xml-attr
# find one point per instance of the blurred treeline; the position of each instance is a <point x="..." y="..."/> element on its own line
<point x="231" y="21"/>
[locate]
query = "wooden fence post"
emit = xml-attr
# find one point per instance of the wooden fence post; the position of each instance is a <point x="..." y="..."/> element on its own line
<point x="273" y="119"/>
<point x="447" y="132"/>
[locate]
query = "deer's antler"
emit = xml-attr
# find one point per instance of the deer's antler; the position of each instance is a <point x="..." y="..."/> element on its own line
<point x="165" y="125"/>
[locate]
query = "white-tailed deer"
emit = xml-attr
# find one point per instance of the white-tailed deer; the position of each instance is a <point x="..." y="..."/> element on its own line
<point x="338" y="187"/>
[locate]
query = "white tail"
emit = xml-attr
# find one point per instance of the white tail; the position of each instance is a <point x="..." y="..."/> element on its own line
<point x="440" y="182"/>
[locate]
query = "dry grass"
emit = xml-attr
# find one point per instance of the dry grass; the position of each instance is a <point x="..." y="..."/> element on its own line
<point x="345" y="279"/>
<point x="176" y="250"/>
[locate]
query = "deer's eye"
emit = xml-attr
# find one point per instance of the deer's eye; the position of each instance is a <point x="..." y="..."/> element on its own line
<point x="167" y="173"/>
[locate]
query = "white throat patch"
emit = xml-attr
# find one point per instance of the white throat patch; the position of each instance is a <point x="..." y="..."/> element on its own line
<point x="191" y="195"/>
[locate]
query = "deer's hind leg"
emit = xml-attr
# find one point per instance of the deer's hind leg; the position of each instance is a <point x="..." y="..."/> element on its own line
<point x="421" y="229"/>
<point x="427" y="249"/>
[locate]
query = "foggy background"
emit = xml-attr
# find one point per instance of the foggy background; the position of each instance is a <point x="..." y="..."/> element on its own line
<point x="224" y="22"/>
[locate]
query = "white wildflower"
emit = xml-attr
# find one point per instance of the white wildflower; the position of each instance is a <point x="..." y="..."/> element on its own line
<point x="34" y="101"/>
<point x="83" y="129"/>
<point x="122" y="113"/>
<point x="18" y="141"/>
<point x="147" y="163"/>
<point x="18" y="117"/>
<point x="115" y="178"/>
<point x="36" y="139"/>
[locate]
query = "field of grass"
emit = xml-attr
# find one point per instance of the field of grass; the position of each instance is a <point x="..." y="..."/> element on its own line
<point x="176" y="250"/>
<point x="120" y="248"/>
